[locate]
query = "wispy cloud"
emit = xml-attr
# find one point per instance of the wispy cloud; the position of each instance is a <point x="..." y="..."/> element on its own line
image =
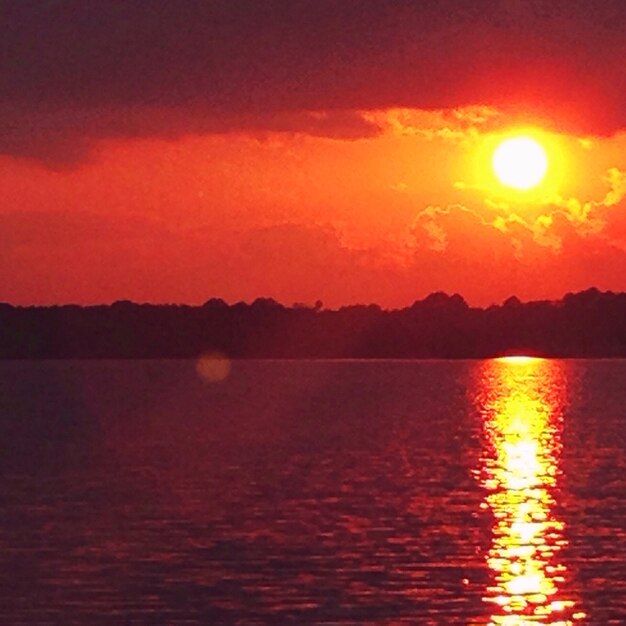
<point x="458" y="124"/>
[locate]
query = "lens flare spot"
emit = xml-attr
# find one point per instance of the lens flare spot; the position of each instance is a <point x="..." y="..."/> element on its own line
<point x="213" y="367"/>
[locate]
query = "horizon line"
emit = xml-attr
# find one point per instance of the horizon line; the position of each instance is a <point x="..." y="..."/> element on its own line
<point x="318" y="305"/>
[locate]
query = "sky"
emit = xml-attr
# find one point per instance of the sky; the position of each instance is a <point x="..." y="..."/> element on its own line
<point x="334" y="150"/>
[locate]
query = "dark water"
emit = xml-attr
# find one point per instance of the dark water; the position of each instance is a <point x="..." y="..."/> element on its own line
<point x="313" y="492"/>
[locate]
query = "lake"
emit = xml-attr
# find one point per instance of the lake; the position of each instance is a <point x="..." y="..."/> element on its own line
<point x="313" y="492"/>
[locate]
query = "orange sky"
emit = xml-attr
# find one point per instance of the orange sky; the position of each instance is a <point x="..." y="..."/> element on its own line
<point x="344" y="204"/>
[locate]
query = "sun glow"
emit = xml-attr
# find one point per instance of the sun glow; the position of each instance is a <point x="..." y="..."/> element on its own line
<point x="518" y="359"/>
<point x="520" y="162"/>
<point x="521" y="169"/>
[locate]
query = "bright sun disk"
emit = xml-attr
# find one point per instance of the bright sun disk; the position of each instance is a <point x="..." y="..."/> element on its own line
<point x="520" y="162"/>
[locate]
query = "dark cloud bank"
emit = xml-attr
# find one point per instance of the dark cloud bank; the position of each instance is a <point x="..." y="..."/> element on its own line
<point x="73" y="71"/>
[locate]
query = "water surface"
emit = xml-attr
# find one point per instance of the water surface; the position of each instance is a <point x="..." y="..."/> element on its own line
<point x="382" y="492"/>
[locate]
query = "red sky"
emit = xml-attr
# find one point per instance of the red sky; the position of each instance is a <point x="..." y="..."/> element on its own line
<point x="329" y="150"/>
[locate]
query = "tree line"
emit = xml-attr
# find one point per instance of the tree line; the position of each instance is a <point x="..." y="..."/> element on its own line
<point x="586" y="324"/>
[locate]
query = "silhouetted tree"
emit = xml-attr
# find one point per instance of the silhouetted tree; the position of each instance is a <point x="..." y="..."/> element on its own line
<point x="587" y="324"/>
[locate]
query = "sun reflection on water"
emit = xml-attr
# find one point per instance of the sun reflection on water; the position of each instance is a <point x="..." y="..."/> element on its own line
<point x="521" y="400"/>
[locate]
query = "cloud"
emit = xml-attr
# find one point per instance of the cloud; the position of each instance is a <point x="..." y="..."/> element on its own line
<point x="61" y="137"/>
<point x="591" y="215"/>
<point x="456" y="248"/>
<point x="437" y="228"/>
<point x="587" y="218"/>
<point x="458" y="125"/>
<point x="89" y="258"/>
<point x="81" y="256"/>
<point x="74" y="71"/>
<point x="561" y="220"/>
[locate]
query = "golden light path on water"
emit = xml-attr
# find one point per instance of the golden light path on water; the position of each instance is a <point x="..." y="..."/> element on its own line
<point x="521" y="400"/>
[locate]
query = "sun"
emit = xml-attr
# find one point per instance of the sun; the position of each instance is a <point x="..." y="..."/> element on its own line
<point x="520" y="162"/>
